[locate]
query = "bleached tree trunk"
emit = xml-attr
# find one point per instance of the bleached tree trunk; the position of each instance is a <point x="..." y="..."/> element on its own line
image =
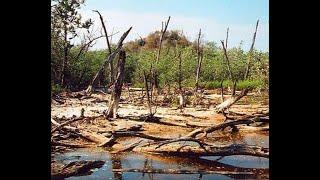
<point x="117" y="87"/>
<point x="229" y="102"/>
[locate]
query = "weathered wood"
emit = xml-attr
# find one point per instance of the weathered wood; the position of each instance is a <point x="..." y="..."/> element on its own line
<point x="84" y="134"/>
<point x="66" y="123"/>
<point x="200" y="57"/>
<point x="147" y="92"/>
<point x="251" y="51"/>
<point x="180" y="171"/>
<point x="128" y="148"/>
<point x="229" y="102"/>
<point x="76" y="168"/>
<point x="211" y="150"/>
<point x="117" y="88"/>
<point x="111" y="78"/>
<point x="154" y="71"/>
<point x="108" y="59"/>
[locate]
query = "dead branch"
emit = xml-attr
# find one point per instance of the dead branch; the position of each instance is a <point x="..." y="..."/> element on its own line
<point x="83" y="133"/>
<point x="154" y="71"/>
<point x="108" y="59"/>
<point x="251" y="51"/>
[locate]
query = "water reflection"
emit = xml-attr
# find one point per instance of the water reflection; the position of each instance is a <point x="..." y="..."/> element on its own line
<point x="140" y="161"/>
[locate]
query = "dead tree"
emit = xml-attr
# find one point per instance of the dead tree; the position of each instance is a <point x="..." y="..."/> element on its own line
<point x="108" y="47"/>
<point x="200" y="57"/>
<point x="229" y="102"/>
<point x="251" y="52"/>
<point x="147" y="92"/>
<point x="117" y="87"/>
<point x="108" y="59"/>
<point x="154" y="71"/>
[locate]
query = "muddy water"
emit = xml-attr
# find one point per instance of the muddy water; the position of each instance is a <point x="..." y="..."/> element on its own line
<point x="258" y="166"/>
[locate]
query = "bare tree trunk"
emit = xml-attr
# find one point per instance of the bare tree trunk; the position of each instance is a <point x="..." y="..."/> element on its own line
<point x="181" y="93"/>
<point x="117" y="88"/>
<point x="108" y="59"/>
<point x="221" y="86"/>
<point x="199" y="62"/>
<point x="147" y="92"/>
<point x="229" y="102"/>
<point x="198" y="72"/>
<point x="155" y="72"/>
<point x="251" y="51"/>
<point x="111" y="74"/>
<point x="65" y="56"/>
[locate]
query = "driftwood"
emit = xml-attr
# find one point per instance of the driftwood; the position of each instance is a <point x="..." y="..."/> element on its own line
<point x="83" y="133"/>
<point x="229" y="102"/>
<point x="205" y="150"/>
<point x="208" y="150"/>
<point x="180" y="171"/>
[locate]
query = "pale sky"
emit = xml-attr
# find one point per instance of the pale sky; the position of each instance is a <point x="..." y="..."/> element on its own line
<point x="212" y="16"/>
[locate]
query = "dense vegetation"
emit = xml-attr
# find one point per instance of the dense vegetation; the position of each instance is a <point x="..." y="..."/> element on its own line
<point x="73" y="66"/>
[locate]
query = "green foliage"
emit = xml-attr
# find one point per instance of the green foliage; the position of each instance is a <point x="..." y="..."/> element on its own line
<point x="82" y="64"/>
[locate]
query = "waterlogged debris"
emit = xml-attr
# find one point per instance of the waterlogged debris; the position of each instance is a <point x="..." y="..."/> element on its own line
<point x="75" y="168"/>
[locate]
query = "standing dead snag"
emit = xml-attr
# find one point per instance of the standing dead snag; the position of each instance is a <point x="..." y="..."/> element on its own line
<point x="200" y="57"/>
<point x="149" y="98"/>
<point x="108" y="59"/>
<point x="117" y="87"/>
<point x="250" y="52"/>
<point x="154" y="71"/>
<point x="229" y="102"/>
<point x="182" y="102"/>
<point x="109" y="47"/>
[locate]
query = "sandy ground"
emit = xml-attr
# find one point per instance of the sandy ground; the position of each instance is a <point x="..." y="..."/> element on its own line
<point x="97" y="103"/>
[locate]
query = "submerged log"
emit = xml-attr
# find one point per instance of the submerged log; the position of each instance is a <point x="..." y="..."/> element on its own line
<point x="76" y="168"/>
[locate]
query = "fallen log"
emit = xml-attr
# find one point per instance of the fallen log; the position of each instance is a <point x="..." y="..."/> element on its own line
<point x="110" y="141"/>
<point x="85" y="134"/>
<point x="212" y="150"/>
<point x="191" y="136"/>
<point x="229" y="102"/>
<point x="251" y="129"/>
<point x="181" y="171"/>
<point x="128" y="148"/>
<point x="66" y="123"/>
